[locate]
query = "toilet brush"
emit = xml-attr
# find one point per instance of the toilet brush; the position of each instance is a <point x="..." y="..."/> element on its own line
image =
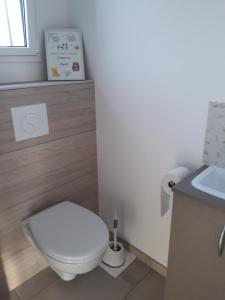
<point x="115" y="230"/>
<point x="115" y="255"/>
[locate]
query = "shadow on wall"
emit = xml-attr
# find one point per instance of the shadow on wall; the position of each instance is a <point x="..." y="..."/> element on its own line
<point x="4" y="289"/>
<point x="90" y="57"/>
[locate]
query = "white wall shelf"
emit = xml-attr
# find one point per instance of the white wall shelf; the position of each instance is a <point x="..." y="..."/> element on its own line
<point x="33" y="84"/>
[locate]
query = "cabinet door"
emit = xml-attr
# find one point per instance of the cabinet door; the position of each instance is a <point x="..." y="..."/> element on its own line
<point x="195" y="270"/>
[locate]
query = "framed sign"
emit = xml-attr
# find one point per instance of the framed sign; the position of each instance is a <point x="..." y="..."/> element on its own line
<point x="64" y="54"/>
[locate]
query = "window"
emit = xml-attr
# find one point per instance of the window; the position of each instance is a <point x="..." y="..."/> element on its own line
<point x="17" y="28"/>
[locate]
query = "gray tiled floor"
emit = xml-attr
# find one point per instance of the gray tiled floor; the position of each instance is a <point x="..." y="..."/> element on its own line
<point x="11" y="296"/>
<point x="150" y="288"/>
<point x="138" y="282"/>
<point x="39" y="282"/>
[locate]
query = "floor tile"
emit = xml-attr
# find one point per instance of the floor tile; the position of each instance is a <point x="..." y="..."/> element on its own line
<point x="151" y="288"/>
<point x="135" y="272"/>
<point x="93" y="285"/>
<point x="10" y="296"/>
<point x="36" y="284"/>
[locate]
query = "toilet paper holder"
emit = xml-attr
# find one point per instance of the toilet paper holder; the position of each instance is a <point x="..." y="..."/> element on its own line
<point x="171" y="184"/>
<point x="169" y="181"/>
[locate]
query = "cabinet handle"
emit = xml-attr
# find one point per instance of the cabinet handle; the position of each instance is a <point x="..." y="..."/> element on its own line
<point x="221" y="242"/>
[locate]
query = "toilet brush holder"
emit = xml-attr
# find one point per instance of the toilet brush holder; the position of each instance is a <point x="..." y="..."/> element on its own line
<point x="114" y="257"/>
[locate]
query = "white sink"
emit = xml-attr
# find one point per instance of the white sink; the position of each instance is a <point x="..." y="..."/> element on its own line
<point x="211" y="181"/>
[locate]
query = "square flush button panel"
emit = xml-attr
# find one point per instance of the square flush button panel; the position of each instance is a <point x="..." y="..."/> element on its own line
<point x="29" y="121"/>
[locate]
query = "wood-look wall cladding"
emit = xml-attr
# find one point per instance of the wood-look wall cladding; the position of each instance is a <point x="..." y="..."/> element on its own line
<point x="70" y="108"/>
<point x="37" y="173"/>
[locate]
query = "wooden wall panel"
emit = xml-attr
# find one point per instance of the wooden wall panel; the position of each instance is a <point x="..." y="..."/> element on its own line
<point x="35" y="170"/>
<point x="37" y="173"/>
<point x="71" y="111"/>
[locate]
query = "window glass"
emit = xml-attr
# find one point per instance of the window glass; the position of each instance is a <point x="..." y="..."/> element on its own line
<point x="12" y="23"/>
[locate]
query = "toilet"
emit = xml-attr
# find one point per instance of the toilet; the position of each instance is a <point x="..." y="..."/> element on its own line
<point x="70" y="238"/>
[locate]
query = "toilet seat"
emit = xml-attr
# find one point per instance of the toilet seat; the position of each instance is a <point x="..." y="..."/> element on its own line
<point x="69" y="233"/>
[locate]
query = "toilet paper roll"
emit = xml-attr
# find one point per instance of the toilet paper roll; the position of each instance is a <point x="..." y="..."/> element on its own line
<point x="169" y="180"/>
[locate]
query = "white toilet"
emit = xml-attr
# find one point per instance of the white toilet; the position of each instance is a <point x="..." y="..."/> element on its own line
<point x="71" y="239"/>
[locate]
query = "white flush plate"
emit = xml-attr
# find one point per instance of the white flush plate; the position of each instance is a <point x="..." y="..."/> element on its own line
<point x="30" y="121"/>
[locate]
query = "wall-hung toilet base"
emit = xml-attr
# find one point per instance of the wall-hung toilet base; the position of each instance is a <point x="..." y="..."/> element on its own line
<point x="68" y="271"/>
<point x="71" y="239"/>
<point x="65" y="276"/>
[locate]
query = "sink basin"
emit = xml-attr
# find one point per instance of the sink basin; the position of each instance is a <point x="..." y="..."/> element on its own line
<point x="211" y="181"/>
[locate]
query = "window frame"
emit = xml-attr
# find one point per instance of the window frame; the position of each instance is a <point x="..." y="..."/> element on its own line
<point x="32" y="48"/>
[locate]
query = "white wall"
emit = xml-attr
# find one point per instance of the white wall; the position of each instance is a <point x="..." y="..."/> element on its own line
<point x="49" y="13"/>
<point x="157" y="64"/>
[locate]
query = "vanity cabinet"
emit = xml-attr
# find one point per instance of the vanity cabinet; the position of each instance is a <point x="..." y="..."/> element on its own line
<point x="195" y="269"/>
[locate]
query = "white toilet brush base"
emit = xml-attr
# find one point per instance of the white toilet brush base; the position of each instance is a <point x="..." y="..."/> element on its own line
<point x="115" y="272"/>
<point x="114" y="258"/>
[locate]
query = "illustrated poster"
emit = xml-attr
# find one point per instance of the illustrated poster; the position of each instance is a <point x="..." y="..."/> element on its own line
<point x="64" y="53"/>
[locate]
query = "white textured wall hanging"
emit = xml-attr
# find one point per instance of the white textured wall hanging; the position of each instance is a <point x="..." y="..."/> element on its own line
<point x="214" y="148"/>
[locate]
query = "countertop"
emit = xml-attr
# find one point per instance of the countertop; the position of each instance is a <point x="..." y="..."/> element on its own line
<point x="186" y="188"/>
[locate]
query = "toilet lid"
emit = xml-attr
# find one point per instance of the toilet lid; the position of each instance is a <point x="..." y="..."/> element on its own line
<point x="69" y="233"/>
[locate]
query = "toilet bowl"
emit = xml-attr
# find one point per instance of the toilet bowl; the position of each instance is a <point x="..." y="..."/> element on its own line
<point x="70" y="238"/>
